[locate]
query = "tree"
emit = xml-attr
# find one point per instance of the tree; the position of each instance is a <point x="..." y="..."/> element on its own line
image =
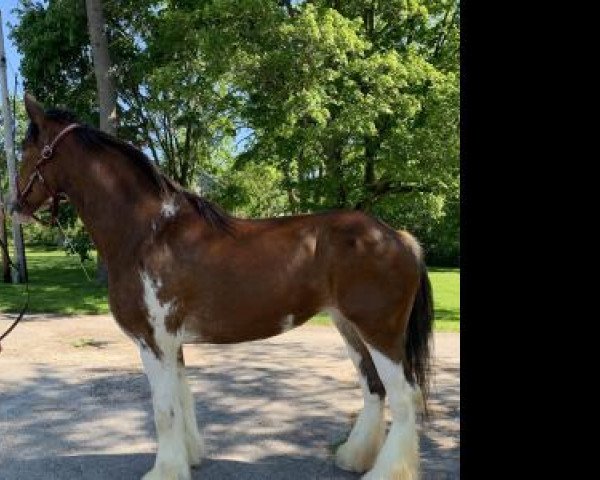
<point x="170" y="104"/>
<point x="355" y="102"/>
<point x="107" y="95"/>
<point x="345" y="104"/>
<point x="20" y="123"/>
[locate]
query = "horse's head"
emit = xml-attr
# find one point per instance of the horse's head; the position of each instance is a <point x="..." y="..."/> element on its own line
<point x="40" y="173"/>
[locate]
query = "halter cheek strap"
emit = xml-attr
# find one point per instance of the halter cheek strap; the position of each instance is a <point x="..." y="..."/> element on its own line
<point x="45" y="156"/>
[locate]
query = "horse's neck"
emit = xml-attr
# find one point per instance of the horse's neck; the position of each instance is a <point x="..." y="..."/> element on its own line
<point x="116" y="208"/>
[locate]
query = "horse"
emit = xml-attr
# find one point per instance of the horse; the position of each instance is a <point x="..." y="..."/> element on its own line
<point x="182" y="270"/>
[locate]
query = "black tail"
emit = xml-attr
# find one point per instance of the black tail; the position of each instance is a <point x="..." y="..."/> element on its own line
<point x="418" y="339"/>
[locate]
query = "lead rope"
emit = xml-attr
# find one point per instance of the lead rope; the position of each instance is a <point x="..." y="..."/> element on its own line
<point x="25" y="306"/>
<point x="11" y="264"/>
<point x="69" y="243"/>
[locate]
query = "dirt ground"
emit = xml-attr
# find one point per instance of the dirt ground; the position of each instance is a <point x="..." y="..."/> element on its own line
<point x="74" y="403"/>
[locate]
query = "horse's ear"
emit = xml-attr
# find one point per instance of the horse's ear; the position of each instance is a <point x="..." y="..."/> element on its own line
<point x="34" y="109"/>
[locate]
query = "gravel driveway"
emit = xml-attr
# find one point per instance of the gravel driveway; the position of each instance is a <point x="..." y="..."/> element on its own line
<point x="75" y="404"/>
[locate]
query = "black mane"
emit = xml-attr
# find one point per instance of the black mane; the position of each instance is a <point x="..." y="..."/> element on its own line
<point x="92" y="138"/>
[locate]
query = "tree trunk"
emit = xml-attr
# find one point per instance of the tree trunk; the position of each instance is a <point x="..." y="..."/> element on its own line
<point x="6" y="278"/>
<point x="107" y="95"/>
<point x="371" y="148"/>
<point x="335" y="172"/>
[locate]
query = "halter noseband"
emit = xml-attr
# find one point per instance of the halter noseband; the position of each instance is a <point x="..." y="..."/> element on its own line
<point x="45" y="156"/>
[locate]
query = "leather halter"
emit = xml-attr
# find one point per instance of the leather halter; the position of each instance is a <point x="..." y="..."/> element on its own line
<point x="45" y="156"/>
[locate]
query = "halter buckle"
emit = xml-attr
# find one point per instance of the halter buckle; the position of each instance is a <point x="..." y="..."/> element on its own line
<point x="46" y="152"/>
<point x="38" y="175"/>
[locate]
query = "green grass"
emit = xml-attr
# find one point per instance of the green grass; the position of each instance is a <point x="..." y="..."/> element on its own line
<point x="446" y="298"/>
<point x="58" y="285"/>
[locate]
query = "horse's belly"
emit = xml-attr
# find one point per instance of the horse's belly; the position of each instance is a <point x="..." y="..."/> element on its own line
<point x="245" y="325"/>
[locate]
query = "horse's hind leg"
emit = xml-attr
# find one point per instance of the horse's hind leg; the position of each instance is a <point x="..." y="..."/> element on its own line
<point x="360" y="450"/>
<point x="193" y="440"/>
<point x="399" y="456"/>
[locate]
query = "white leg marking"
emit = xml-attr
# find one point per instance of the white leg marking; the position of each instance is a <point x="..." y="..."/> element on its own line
<point x="172" y="458"/>
<point x="399" y="457"/>
<point x="193" y="440"/>
<point x="360" y="450"/>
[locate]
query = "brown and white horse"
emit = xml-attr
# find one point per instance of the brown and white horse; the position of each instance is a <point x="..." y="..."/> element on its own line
<point x="183" y="271"/>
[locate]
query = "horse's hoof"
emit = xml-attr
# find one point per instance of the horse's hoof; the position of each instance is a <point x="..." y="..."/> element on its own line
<point x="355" y="459"/>
<point x="168" y="472"/>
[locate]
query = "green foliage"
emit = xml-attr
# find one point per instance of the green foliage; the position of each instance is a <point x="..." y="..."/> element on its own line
<point x="56" y="57"/>
<point x="357" y="106"/>
<point x="40" y="235"/>
<point x="346" y="104"/>
<point x="78" y="242"/>
<point x="253" y="191"/>
<point x="71" y="236"/>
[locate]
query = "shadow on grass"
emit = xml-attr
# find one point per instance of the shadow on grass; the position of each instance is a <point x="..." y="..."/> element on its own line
<point x="447" y="314"/>
<point x="443" y="269"/>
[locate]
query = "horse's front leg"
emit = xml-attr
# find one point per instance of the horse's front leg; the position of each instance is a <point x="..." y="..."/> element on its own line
<point x="193" y="440"/>
<point x="172" y="456"/>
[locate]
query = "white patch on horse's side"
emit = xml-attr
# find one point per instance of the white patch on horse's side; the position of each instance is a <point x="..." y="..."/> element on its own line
<point x="157" y="311"/>
<point x="399" y="456"/>
<point x="168" y="208"/>
<point x="287" y="323"/>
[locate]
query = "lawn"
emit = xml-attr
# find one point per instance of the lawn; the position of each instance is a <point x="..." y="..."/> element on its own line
<point x="446" y="297"/>
<point x="58" y="285"/>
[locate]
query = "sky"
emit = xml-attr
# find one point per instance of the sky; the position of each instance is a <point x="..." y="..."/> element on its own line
<point x="14" y="60"/>
<point x="12" y="56"/>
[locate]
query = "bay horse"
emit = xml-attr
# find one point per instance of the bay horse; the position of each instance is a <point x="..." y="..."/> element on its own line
<point x="181" y="270"/>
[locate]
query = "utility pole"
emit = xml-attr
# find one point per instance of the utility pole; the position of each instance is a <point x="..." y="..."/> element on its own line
<point x="21" y="274"/>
